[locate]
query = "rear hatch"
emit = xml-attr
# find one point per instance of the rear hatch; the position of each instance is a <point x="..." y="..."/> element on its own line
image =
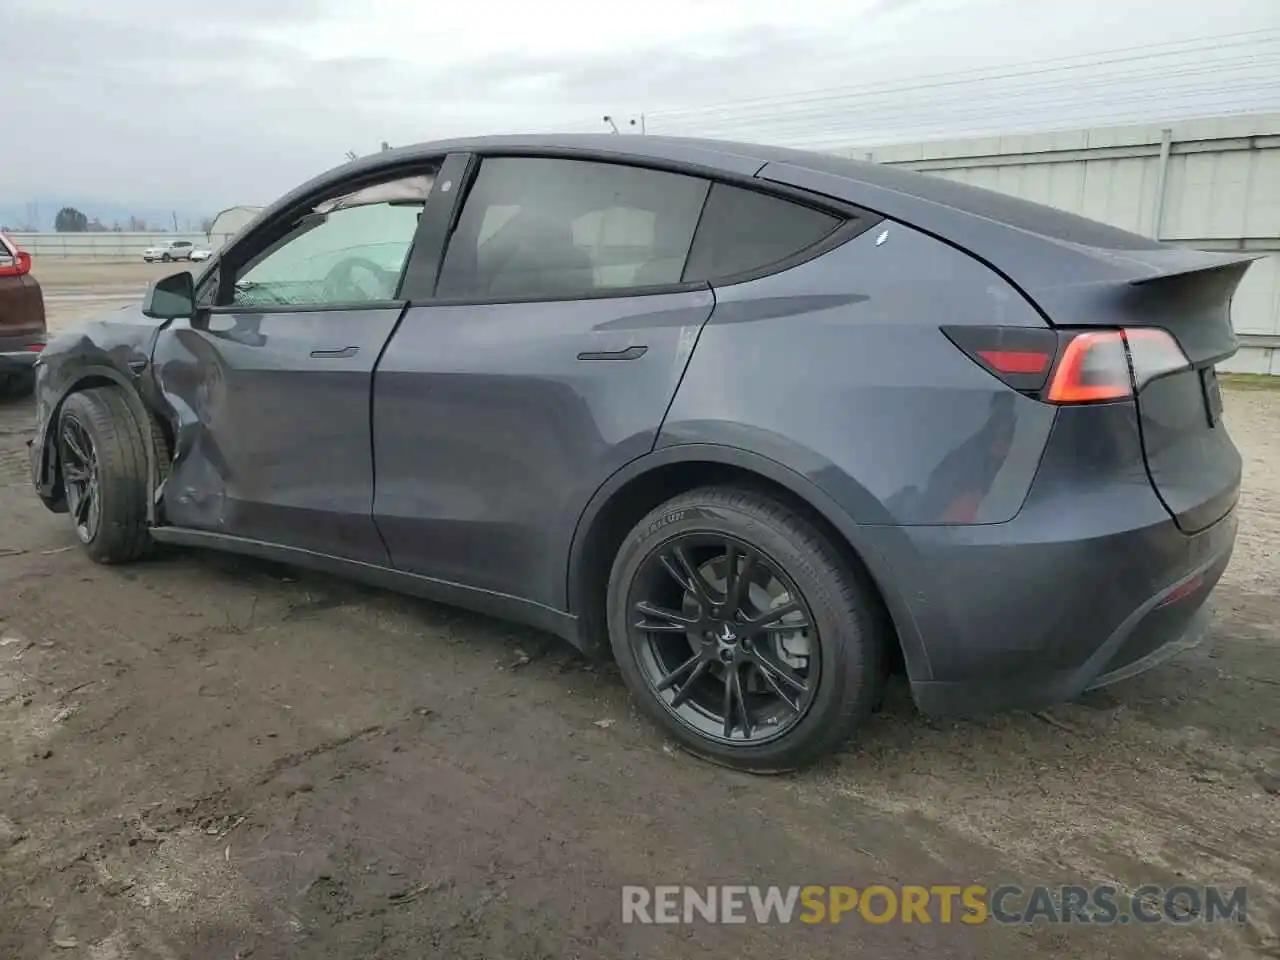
<point x="1193" y="465"/>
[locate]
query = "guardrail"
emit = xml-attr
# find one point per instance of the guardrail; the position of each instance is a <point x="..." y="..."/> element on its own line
<point x="111" y="244"/>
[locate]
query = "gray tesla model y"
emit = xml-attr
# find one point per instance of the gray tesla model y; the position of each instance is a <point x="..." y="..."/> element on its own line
<point x="761" y="424"/>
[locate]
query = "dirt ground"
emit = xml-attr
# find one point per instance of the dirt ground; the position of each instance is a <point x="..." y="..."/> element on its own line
<point x="207" y="757"/>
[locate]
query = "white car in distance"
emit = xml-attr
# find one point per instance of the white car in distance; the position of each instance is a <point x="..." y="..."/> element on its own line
<point x="168" y="250"/>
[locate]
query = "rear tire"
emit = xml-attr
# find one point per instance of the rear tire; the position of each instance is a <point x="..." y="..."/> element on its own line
<point x="166" y="258"/>
<point x="832" y="642"/>
<point x="102" y="453"/>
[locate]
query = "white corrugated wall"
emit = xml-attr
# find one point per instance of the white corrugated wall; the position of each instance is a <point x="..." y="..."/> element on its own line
<point x="1212" y="184"/>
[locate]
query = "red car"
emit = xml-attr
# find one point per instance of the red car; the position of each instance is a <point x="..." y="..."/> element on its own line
<point x="22" y="321"/>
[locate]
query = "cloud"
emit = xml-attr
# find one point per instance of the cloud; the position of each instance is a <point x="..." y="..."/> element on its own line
<point x="207" y="105"/>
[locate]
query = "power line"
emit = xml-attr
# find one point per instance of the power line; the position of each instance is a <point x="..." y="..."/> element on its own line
<point x="848" y="145"/>
<point x="1190" y="85"/>
<point x="984" y="74"/>
<point x="996" y="125"/>
<point x="995" y="121"/>
<point x="1231" y="71"/>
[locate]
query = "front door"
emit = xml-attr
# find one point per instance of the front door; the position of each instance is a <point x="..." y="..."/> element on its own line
<point x="270" y="384"/>
<point x="555" y="340"/>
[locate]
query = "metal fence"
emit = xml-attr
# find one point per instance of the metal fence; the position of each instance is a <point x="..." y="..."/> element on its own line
<point x="103" y="245"/>
<point x="1210" y="184"/>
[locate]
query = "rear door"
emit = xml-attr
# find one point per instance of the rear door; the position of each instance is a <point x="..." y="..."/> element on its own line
<point x="546" y="360"/>
<point x="271" y="382"/>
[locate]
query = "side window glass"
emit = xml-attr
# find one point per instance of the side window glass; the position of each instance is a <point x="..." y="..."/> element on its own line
<point x="742" y="230"/>
<point x="543" y="228"/>
<point x="348" y="250"/>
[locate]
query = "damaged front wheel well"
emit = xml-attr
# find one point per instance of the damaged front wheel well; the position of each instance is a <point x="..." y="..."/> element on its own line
<point x="153" y="427"/>
<point x="51" y="466"/>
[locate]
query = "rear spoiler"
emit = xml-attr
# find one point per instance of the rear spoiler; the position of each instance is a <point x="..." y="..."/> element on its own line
<point x="1186" y="292"/>
<point x="1181" y="262"/>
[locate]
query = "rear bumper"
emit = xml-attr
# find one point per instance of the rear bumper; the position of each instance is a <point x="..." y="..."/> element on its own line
<point x="1091" y="582"/>
<point x="1164" y="625"/>
<point x="19" y="355"/>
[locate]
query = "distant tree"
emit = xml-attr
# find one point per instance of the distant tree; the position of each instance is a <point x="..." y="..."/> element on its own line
<point x="137" y="225"/>
<point x="206" y="226"/>
<point x="70" y="220"/>
<point x="115" y="226"/>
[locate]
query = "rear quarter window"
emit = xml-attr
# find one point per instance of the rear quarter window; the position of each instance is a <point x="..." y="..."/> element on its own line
<point x="743" y="231"/>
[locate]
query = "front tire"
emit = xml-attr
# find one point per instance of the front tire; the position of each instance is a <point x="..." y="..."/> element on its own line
<point x="103" y="456"/>
<point x="166" y="258"/>
<point x="743" y="633"/>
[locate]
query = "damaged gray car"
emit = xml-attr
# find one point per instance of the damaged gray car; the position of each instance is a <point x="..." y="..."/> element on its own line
<point x="765" y="425"/>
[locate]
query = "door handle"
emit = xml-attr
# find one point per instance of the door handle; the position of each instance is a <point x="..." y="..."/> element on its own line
<point x="343" y="354"/>
<point x="631" y="353"/>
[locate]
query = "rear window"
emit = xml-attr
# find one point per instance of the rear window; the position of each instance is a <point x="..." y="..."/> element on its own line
<point x="556" y="229"/>
<point x="742" y="231"/>
<point x="1023" y="214"/>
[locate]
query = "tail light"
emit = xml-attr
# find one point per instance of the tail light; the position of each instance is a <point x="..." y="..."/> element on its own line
<point x="1072" y="366"/>
<point x="16" y="266"/>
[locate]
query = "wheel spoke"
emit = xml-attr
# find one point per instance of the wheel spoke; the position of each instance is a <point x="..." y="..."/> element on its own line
<point x="83" y="506"/>
<point x="741" y="699"/>
<point x="771" y="677"/>
<point x="730" y="674"/>
<point x="737" y="579"/>
<point x="657" y="619"/>
<point x="775" y="672"/>
<point x="687" y="687"/>
<point x="677" y="563"/>
<point x="670" y="679"/>
<point x="95" y="508"/>
<point x="768" y="621"/>
<point x="73" y="444"/>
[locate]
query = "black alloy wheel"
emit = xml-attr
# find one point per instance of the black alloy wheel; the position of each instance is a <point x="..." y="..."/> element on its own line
<point x="724" y="637"/>
<point x="81" y="478"/>
<point x="103" y="461"/>
<point x="743" y="631"/>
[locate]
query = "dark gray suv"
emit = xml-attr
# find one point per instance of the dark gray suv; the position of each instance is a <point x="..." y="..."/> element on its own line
<point x="763" y="424"/>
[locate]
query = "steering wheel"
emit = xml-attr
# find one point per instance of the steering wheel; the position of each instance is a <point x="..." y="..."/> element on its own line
<point x="341" y="284"/>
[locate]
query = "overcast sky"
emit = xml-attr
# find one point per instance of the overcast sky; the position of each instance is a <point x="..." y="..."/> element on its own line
<point x="228" y="101"/>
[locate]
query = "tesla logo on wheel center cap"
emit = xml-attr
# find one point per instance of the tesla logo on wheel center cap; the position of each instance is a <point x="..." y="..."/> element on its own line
<point x="727" y="635"/>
